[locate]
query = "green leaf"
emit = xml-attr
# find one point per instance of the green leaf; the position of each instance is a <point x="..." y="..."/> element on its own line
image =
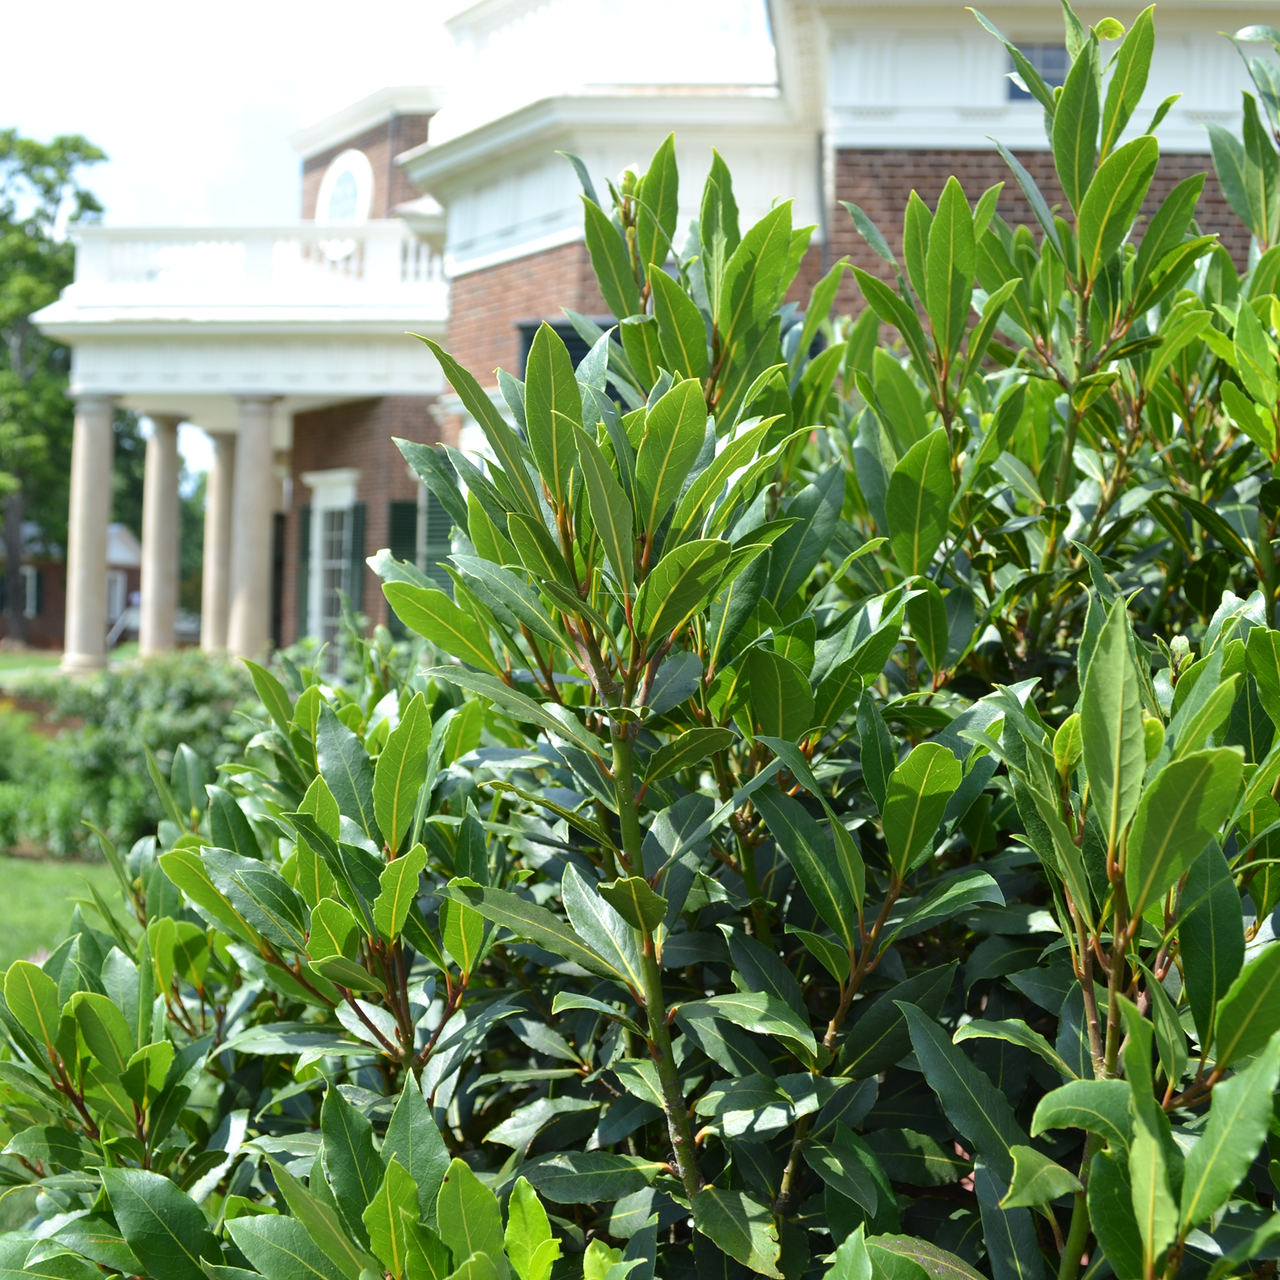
<point x="551" y="717"/>
<point x="916" y="797"/>
<point x="1236" y="1129"/>
<point x="586" y="1177"/>
<point x="927" y="613"/>
<point x="281" y="1249"/>
<point x="399" y="890"/>
<point x="780" y="696"/>
<point x="1249" y="1014"/>
<point x="383" y="1220"/>
<point x="754" y="277"/>
<point x="675" y="429"/>
<point x="917" y="503"/>
<point x="657" y="195"/>
<point x="1128" y="79"/>
<point x="814" y="860"/>
<point x="1111" y="1213"/>
<point x="840" y="1167"/>
<point x="1037" y="1180"/>
<point x="344" y="764"/>
<point x="104" y="1029"/>
<point x="949" y="267"/>
<point x="400" y="772"/>
<point x="979" y="1111"/>
<point x="610" y="511"/>
<point x="893" y="310"/>
<point x="428" y="1257"/>
<point x="163" y="1227"/>
<point x="1109" y="207"/>
<point x="739" y="1226"/>
<point x="1075" y="126"/>
<point x="1100" y="1106"/>
<point x="755" y="1011"/>
<point x="1210" y="935"/>
<point x="505" y="591"/>
<point x="527" y="920"/>
<point x="504" y="442"/>
<point x="602" y="928"/>
<point x="413" y="1139"/>
<point x="186" y="869"/>
<point x="1015" y="1031"/>
<point x="889" y="1253"/>
<point x="1114" y="743"/>
<point x="690" y="748"/>
<point x="610" y="261"/>
<point x="468" y="1214"/>
<point x="462" y="932"/>
<point x="679" y="586"/>
<point x="272" y="694"/>
<point x="531" y="1248"/>
<point x="635" y="902"/>
<point x="228" y="826"/>
<point x="350" y="1160"/>
<point x="553" y="407"/>
<point x="816" y="510"/>
<point x="33" y="997"/>
<point x="436" y="618"/>
<point x="682" y="331"/>
<point x="1153" y="1203"/>
<point x="881" y="1037"/>
<point x="322" y="1225"/>
<point x="1179" y="813"/>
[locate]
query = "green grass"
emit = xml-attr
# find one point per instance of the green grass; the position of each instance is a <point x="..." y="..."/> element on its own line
<point x="29" y="659"/>
<point x="37" y="898"/>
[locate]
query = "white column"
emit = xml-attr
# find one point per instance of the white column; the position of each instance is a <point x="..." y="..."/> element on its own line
<point x="219" y="493"/>
<point x="252" y="508"/>
<point x="92" y="449"/>
<point x="160" y="533"/>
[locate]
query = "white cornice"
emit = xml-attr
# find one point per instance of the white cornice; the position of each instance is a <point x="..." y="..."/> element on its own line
<point x="359" y="117"/>
<point x="435" y="167"/>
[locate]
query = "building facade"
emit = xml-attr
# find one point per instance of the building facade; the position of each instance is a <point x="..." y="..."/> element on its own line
<point x="447" y="212"/>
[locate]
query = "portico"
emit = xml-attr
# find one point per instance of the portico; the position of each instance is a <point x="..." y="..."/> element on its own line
<point x="236" y="332"/>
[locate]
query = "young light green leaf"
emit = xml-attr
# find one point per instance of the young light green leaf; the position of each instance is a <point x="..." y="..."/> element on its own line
<point x="949" y="268"/>
<point x="33" y="997"/>
<point x="1037" y="1180"/>
<point x="399" y="890"/>
<point x="1114" y="197"/>
<point x="400" y="770"/>
<point x="531" y="1248"/>
<point x="383" y="1217"/>
<point x="1075" y="126"/>
<point x="436" y="618"/>
<point x="1015" y="1031"/>
<point x="635" y="902"/>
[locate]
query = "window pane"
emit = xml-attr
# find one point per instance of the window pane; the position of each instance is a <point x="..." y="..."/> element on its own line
<point x="1050" y="60"/>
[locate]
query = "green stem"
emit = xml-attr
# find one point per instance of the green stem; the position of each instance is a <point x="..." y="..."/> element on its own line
<point x="654" y="1000"/>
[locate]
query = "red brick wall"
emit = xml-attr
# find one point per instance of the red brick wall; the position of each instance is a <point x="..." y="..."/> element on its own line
<point x="381" y="144"/>
<point x="355" y="435"/>
<point x="484" y="306"/>
<point x="880" y="181"/>
<point x="44" y="631"/>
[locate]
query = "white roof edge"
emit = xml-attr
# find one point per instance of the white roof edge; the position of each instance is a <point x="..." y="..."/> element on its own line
<point x="357" y="117"/>
<point x="694" y="110"/>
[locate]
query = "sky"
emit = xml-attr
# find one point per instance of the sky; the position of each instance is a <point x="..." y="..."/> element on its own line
<point x="195" y="104"/>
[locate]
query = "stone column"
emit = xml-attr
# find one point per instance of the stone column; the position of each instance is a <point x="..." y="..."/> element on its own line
<point x="252" y="508"/>
<point x="92" y="449"/>
<point x="160" y="534"/>
<point x="216" y="591"/>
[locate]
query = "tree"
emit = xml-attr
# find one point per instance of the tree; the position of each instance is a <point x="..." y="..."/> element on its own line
<point x="40" y="195"/>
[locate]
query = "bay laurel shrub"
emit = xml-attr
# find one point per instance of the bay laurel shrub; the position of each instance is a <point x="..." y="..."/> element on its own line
<point x="830" y="828"/>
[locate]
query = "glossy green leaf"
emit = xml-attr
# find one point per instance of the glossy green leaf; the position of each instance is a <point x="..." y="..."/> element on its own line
<point x="917" y="503"/>
<point x="681" y="584"/>
<point x="610" y="511"/>
<point x="383" y="1218"/>
<point x="611" y="261"/>
<point x="322" y="1224"/>
<point x="468" y="1214"/>
<point x="553" y="407"/>
<point x="675" y="429"/>
<point x="916" y="796"/>
<point x="531" y="1248"/>
<point x="780" y="696"/>
<point x="33" y="997"/>
<point x="1075" y="126"/>
<point x="1037" y="1180"/>
<point x="949" y="267"/>
<point x="1115" y="755"/>
<point x="633" y="899"/>
<point x="400" y="771"/>
<point x="280" y="1248"/>
<point x="1210" y="935"/>
<point x="682" y="331"/>
<point x="1108" y="208"/>
<point x="739" y="1226"/>
<point x="755" y="1011"/>
<point x="399" y="891"/>
<point x="436" y="618"/>
<point x="1249" y="1014"/>
<point x="1180" y="812"/>
<point x="163" y="1227"/>
<point x="350" y="1160"/>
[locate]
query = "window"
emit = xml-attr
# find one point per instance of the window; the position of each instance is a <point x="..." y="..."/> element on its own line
<point x="31" y="593"/>
<point x="331" y="554"/>
<point x="334" y="560"/>
<point x="437" y="541"/>
<point x="577" y="346"/>
<point x="1050" y="60"/>
<point x="117" y="593"/>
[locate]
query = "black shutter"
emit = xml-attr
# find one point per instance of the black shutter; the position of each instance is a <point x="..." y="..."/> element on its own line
<point x="39" y="592"/>
<point x="402" y="524"/>
<point x="355" y="575"/>
<point x="277" y="579"/>
<point x="303" y="589"/>
<point x="437" y="545"/>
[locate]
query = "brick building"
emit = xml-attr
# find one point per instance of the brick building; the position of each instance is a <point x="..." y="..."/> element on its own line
<point x="446" y="211"/>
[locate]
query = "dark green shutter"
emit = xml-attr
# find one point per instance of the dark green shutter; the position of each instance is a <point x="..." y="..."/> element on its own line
<point x="438" y="544"/>
<point x="303" y="589"/>
<point x="355" y="575"/>
<point x="39" y="592"/>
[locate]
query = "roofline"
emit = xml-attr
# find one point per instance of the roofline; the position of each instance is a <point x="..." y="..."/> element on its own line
<point x="682" y="111"/>
<point x="367" y="113"/>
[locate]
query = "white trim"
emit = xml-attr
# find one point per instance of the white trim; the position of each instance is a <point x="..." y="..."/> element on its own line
<point x="368" y="113"/>
<point x="552" y="240"/>
<point x="335" y="487"/>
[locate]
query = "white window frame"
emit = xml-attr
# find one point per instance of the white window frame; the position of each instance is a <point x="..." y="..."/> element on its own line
<point x="117" y="593"/>
<point x="332" y="490"/>
<point x="30" y="590"/>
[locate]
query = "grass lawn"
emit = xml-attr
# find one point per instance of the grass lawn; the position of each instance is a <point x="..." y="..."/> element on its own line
<point x="37" y="902"/>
